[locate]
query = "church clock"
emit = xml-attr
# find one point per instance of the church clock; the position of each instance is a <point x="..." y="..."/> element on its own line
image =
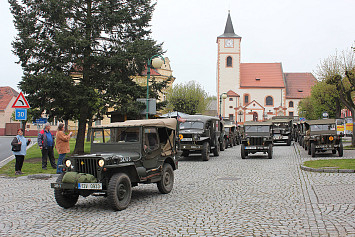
<point x="228" y="43"/>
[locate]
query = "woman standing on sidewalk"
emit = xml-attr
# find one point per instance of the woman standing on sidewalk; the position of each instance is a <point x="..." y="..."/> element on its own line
<point x="62" y="145"/>
<point x="20" y="140"/>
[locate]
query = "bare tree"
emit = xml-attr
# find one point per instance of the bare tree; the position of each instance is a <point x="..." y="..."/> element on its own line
<point x="339" y="70"/>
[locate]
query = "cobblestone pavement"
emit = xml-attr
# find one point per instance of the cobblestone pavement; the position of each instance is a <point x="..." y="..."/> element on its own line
<point x="226" y="196"/>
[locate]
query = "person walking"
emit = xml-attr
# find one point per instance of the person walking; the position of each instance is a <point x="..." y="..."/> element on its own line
<point x="62" y="145"/>
<point x="46" y="143"/>
<point x="20" y="141"/>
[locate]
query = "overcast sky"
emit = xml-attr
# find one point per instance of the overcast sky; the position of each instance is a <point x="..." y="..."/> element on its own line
<point x="296" y="33"/>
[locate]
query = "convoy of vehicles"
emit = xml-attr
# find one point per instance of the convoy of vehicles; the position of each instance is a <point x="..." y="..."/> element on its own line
<point x="128" y="153"/>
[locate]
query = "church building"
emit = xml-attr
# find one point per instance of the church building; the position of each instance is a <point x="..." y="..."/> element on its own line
<point x="255" y="91"/>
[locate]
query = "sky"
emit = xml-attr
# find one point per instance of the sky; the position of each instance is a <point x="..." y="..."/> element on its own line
<point x="299" y="34"/>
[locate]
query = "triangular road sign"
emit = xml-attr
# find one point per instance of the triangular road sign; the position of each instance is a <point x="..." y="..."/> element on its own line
<point x="21" y="102"/>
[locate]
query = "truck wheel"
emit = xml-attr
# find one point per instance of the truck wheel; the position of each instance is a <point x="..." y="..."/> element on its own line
<point x="289" y="142"/>
<point x="269" y="152"/>
<point x="243" y="152"/>
<point x="205" y="151"/>
<point x="223" y="145"/>
<point x="119" y="191"/>
<point x="165" y="185"/>
<point x="185" y="153"/>
<point x="216" y="149"/>
<point x="313" y="150"/>
<point x="309" y="149"/>
<point x="341" y="150"/>
<point x="64" y="200"/>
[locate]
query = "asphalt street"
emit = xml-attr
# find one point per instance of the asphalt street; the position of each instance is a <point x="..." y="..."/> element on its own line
<point x="5" y="147"/>
<point x="225" y="196"/>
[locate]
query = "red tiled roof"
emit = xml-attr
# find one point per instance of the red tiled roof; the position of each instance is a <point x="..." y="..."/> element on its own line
<point x="299" y="85"/>
<point x="231" y="93"/>
<point x="153" y="72"/>
<point x="6" y="94"/>
<point x="261" y="75"/>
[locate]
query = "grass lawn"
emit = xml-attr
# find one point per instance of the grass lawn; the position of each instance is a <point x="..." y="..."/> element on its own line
<point x="336" y="163"/>
<point x="33" y="161"/>
<point x="350" y="147"/>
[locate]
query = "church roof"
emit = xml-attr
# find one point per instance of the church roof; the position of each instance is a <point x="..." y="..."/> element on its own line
<point x="229" y="30"/>
<point x="264" y="75"/>
<point x="6" y="95"/>
<point x="299" y="85"/>
<point x="231" y="93"/>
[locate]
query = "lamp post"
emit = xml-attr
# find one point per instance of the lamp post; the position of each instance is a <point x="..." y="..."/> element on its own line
<point x="223" y="96"/>
<point x="156" y="61"/>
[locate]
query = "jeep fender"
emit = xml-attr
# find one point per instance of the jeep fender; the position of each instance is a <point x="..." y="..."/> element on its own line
<point x="170" y="161"/>
<point x="127" y="168"/>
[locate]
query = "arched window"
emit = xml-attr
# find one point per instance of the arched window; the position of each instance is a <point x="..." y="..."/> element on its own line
<point x="229" y="61"/>
<point x="246" y="99"/>
<point x="269" y="100"/>
<point x="290" y="104"/>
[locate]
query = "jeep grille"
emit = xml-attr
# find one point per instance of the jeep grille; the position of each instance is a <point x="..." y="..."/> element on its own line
<point x="87" y="165"/>
<point x="256" y="141"/>
<point x="325" y="139"/>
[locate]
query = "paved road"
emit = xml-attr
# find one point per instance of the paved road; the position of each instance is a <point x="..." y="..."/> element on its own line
<point x="226" y="196"/>
<point x="5" y="147"/>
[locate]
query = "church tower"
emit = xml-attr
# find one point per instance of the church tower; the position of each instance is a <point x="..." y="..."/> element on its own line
<point x="228" y="62"/>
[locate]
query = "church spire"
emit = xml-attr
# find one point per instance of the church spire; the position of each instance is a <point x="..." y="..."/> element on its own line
<point x="229" y="30"/>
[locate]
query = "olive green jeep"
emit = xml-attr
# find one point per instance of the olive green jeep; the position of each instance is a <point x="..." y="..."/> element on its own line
<point x="122" y="156"/>
<point x="201" y="134"/>
<point x="321" y="136"/>
<point x="257" y="137"/>
<point x="282" y="129"/>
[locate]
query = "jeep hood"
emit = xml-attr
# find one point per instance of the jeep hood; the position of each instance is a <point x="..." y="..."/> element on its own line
<point x="133" y="155"/>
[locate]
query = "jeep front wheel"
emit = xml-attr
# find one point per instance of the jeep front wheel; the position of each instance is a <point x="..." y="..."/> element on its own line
<point x="119" y="191"/>
<point x="243" y="152"/>
<point x="64" y="200"/>
<point x="313" y="150"/>
<point x="223" y="145"/>
<point x="165" y="185"/>
<point x="341" y="150"/>
<point x="269" y="152"/>
<point x="205" y="151"/>
<point x="216" y="149"/>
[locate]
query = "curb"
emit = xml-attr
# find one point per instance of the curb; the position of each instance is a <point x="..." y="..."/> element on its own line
<point x="10" y="158"/>
<point x="326" y="170"/>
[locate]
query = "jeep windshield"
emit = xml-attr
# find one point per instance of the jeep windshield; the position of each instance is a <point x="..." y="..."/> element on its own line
<point x="191" y="125"/>
<point x="323" y="127"/>
<point x="116" y="135"/>
<point x="280" y="125"/>
<point x="257" y="128"/>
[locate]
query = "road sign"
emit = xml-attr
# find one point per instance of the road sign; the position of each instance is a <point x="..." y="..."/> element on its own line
<point x="40" y="121"/>
<point x="21" y="114"/>
<point x="20" y="102"/>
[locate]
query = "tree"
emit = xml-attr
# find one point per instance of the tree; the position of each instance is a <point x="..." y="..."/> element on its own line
<point x="339" y="70"/>
<point x="188" y="98"/>
<point x="107" y="41"/>
<point x="324" y="98"/>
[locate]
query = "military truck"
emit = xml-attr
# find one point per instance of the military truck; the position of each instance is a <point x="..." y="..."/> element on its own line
<point x="322" y="136"/>
<point x="200" y="134"/>
<point x="122" y="155"/>
<point x="282" y="130"/>
<point x="257" y="137"/>
<point x="230" y="133"/>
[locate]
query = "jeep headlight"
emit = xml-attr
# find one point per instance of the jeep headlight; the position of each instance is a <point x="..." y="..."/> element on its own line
<point x="196" y="137"/>
<point x="101" y="163"/>
<point x="67" y="163"/>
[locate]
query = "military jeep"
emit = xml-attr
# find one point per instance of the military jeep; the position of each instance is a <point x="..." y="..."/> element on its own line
<point x="200" y="134"/>
<point x="230" y="134"/>
<point x="282" y="130"/>
<point x="321" y="136"/>
<point x="257" y="137"/>
<point x="122" y="156"/>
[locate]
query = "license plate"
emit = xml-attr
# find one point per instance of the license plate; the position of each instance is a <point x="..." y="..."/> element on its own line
<point x="251" y="147"/>
<point x="96" y="186"/>
<point x="186" y="139"/>
<point x="195" y="147"/>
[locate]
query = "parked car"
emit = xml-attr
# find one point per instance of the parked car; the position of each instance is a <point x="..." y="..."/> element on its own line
<point x="257" y="137"/>
<point x="122" y="156"/>
<point x="282" y="130"/>
<point x="322" y="136"/>
<point x="200" y="134"/>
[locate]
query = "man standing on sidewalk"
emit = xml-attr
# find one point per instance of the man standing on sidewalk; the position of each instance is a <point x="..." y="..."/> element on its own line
<point x="46" y="143"/>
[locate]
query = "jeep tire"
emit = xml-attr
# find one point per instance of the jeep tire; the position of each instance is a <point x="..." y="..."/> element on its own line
<point x="223" y="145"/>
<point x="205" y="151"/>
<point x="165" y="185"/>
<point x="185" y="153"/>
<point x="309" y="149"/>
<point x="216" y="149"/>
<point x="313" y="149"/>
<point x="243" y="152"/>
<point x="64" y="200"/>
<point x="119" y="191"/>
<point x="269" y="152"/>
<point x="341" y="150"/>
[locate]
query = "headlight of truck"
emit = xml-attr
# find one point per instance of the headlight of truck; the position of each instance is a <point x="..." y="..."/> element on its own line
<point x="67" y="163"/>
<point x="196" y="137"/>
<point x="101" y="163"/>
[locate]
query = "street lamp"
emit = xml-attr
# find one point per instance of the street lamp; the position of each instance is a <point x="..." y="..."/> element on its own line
<point x="223" y="96"/>
<point x="156" y="61"/>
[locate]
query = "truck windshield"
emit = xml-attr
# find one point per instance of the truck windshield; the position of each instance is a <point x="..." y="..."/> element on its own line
<point x="191" y="125"/>
<point x="257" y="128"/>
<point x="280" y="125"/>
<point x="323" y="127"/>
<point x="116" y="135"/>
